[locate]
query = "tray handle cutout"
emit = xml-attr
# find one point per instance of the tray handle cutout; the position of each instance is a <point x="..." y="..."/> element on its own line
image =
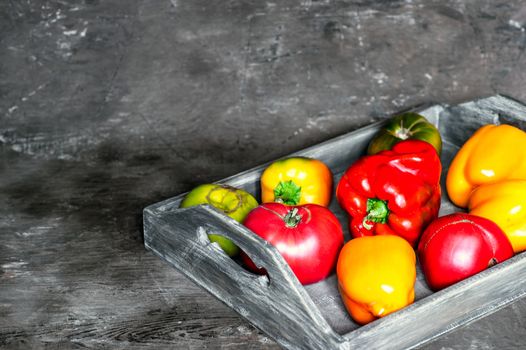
<point x="215" y="248"/>
<point x="278" y="304"/>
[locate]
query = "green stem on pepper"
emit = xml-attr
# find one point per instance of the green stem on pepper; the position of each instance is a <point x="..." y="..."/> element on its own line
<point x="377" y="212"/>
<point x="287" y="193"/>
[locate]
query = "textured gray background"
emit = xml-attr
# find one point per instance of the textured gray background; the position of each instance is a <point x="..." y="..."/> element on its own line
<point x="109" y="106"/>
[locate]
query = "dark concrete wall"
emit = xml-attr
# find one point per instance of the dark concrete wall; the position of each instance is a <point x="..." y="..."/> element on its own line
<point x="109" y="106"/>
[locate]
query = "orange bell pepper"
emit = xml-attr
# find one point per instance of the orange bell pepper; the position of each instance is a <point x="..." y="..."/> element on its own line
<point x="297" y="181"/>
<point x="492" y="154"/>
<point x="504" y="203"/>
<point x="376" y="276"/>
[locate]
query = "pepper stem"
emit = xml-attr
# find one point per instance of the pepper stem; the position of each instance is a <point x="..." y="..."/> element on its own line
<point x="377" y="211"/>
<point x="292" y="219"/>
<point x="287" y="193"/>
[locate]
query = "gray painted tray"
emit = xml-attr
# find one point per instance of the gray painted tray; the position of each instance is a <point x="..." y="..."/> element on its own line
<point x="313" y="317"/>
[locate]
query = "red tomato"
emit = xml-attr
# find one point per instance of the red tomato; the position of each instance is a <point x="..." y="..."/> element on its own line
<point x="309" y="237"/>
<point x="459" y="245"/>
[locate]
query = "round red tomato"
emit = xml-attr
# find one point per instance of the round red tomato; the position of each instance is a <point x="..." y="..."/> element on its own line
<point x="309" y="237"/>
<point x="456" y="246"/>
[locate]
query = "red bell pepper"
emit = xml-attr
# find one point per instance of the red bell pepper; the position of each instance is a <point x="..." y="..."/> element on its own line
<point x="395" y="191"/>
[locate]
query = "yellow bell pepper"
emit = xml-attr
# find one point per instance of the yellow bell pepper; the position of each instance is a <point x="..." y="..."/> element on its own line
<point x="376" y="276"/>
<point x="297" y="181"/>
<point x="492" y="154"/>
<point x="504" y="203"/>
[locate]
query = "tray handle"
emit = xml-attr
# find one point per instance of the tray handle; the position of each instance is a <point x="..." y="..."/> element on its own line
<point x="278" y="304"/>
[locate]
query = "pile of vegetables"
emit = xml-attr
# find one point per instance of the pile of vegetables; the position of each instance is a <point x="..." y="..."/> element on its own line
<point x="392" y="197"/>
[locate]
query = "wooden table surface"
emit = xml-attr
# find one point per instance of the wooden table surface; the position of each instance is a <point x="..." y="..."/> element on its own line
<point x="109" y="106"/>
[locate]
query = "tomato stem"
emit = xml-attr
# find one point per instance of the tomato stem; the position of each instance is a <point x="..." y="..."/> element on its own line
<point x="287" y="193"/>
<point x="403" y="133"/>
<point x="292" y="219"/>
<point x="377" y="212"/>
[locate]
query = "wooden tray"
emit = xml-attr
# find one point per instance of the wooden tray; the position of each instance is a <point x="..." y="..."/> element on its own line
<point x="313" y="317"/>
